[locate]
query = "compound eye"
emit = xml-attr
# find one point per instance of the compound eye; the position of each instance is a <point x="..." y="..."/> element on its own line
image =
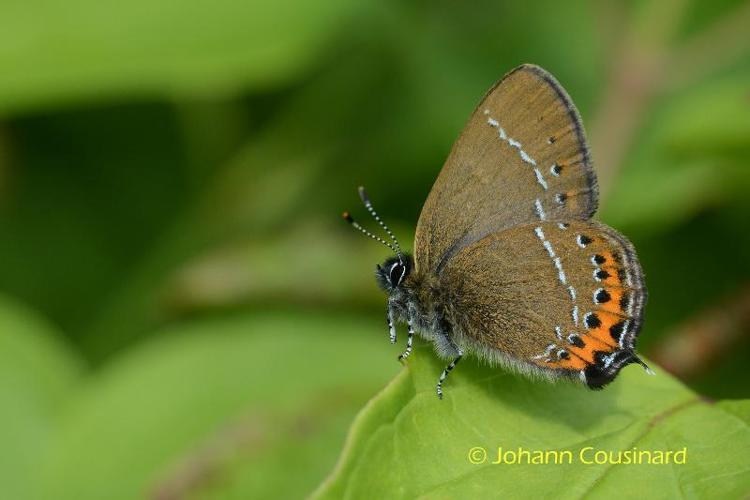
<point x="397" y="274"/>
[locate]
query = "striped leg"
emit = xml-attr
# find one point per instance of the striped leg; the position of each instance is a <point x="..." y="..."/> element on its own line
<point x="391" y="326"/>
<point x="445" y="373"/>
<point x="409" y="341"/>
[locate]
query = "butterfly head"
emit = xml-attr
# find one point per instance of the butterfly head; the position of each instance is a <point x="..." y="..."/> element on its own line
<point x="393" y="272"/>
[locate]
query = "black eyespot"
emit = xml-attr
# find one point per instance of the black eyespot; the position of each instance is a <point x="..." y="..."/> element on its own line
<point x="583" y="240"/>
<point x="601" y="296"/>
<point x="551" y="139"/>
<point x="601" y="274"/>
<point x="592" y="321"/>
<point x="397" y="274"/>
<point x="599" y="259"/>
<point x="615" y="331"/>
<point x="555" y="169"/>
<point x="576" y="340"/>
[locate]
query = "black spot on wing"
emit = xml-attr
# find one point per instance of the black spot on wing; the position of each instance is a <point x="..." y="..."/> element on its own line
<point x="616" y="330"/>
<point x="602" y="296"/>
<point x="598" y="375"/>
<point x="592" y="320"/>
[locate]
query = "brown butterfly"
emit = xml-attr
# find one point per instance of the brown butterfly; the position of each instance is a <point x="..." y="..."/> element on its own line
<point x="508" y="265"/>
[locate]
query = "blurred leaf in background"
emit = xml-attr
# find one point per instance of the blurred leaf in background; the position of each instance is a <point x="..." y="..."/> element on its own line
<point x="171" y="176"/>
<point x="221" y="406"/>
<point x="38" y="373"/>
<point x="58" y="53"/>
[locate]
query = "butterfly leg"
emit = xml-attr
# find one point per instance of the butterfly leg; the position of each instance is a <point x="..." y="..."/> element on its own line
<point x="409" y="341"/>
<point x="447" y="370"/>
<point x="391" y="325"/>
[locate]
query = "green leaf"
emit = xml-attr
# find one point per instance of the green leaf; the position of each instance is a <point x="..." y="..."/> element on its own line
<point x="37" y="374"/>
<point x="251" y="271"/>
<point x="236" y="406"/>
<point x="407" y="444"/>
<point x="54" y="52"/>
<point x="711" y="120"/>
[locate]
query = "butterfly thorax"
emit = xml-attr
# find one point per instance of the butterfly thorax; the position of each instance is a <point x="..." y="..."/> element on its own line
<point x="415" y="297"/>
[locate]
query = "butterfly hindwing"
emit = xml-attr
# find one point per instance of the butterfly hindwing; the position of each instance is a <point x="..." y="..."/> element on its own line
<point x="553" y="297"/>
<point x="521" y="157"/>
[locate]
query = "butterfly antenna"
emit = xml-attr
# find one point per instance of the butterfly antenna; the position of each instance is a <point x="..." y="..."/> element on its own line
<point x="368" y="206"/>
<point x="348" y="218"/>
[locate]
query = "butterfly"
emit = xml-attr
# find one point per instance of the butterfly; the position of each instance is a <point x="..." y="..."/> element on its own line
<point x="508" y="265"/>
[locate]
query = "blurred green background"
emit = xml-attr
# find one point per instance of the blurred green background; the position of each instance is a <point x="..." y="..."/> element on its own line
<point x="183" y="313"/>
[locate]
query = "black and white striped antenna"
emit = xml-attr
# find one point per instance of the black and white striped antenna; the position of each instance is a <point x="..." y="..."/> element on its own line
<point x="348" y="218"/>
<point x="368" y="205"/>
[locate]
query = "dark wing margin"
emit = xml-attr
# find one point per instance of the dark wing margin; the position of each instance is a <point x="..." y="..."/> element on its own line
<point x="575" y="118"/>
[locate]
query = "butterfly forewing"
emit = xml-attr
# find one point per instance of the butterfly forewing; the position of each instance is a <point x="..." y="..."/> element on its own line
<point x="522" y="157"/>
<point x="557" y="297"/>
